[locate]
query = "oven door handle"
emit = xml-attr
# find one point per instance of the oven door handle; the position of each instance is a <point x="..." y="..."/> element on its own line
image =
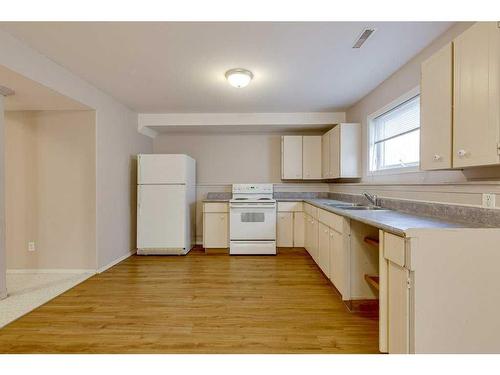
<point x="273" y="206"/>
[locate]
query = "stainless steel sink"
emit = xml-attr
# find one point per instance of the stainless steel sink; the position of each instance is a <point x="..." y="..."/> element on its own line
<point x="339" y="205"/>
<point x="370" y="208"/>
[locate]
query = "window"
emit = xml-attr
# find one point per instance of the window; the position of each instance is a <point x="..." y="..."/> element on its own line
<point x="395" y="136"/>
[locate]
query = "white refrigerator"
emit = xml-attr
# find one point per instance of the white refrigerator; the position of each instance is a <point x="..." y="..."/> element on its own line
<point x="166" y="203"/>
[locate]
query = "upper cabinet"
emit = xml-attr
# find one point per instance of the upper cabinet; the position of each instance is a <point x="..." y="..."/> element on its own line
<point x="436" y="97"/>
<point x="291" y="157"/>
<point x="343" y="151"/>
<point x="336" y="154"/>
<point x="460" y="101"/>
<point x="301" y="157"/>
<point x="325" y="155"/>
<point x="476" y="107"/>
<point x="311" y="157"/>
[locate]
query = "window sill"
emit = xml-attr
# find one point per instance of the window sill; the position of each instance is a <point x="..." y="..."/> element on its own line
<point x="394" y="171"/>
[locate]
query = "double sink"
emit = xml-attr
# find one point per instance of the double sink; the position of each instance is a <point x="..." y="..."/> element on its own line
<point x="354" y="206"/>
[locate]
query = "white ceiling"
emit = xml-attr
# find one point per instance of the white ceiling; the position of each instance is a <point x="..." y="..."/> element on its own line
<point x="168" y="67"/>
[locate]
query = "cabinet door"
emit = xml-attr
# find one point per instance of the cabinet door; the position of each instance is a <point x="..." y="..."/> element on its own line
<point x="215" y="230"/>
<point x="476" y="96"/>
<point x="284" y="229"/>
<point x="398" y="301"/>
<point x="298" y="229"/>
<point x="335" y="152"/>
<point x="291" y="157"/>
<point x="337" y="261"/>
<point x="436" y="100"/>
<point x="325" y="158"/>
<point x="324" y="249"/>
<point x="314" y="239"/>
<point x="307" y="232"/>
<point x="311" y="157"/>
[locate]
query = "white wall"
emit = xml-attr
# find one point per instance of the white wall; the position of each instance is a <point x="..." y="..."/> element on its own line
<point x="464" y="187"/>
<point x="117" y="141"/>
<point x="3" y="264"/>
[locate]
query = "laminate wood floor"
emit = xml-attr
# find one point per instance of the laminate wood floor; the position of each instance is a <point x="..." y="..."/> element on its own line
<point x="199" y="303"/>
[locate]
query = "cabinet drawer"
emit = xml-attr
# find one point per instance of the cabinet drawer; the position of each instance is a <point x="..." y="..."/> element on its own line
<point x="215" y="207"/>
<point x="311" y="210"/>
<point x="290" y="207"/>
<point x="332" y="220"/>
<point x="394" y="249"/>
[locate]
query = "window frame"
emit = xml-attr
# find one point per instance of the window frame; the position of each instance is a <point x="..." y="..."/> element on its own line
<point x="371" y="135"/>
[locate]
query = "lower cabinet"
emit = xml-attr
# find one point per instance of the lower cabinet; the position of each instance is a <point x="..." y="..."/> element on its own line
<point x="324" y="249"/>
<point x="307" y="232"/>
<point x="398" y="300"/>
<point x="215" y="225"/>
<point x="338" y="271"/>
<point x="298" y="229"/>
<point x="290" y="223"/>
<point x="284" y="229"/>
<point x="314" y="239"/>
<point x="394" y="296"/>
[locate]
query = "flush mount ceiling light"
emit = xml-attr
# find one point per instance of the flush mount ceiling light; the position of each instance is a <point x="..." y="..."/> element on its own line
<point x="239" y="77"/>
<point x="6" y="91"/>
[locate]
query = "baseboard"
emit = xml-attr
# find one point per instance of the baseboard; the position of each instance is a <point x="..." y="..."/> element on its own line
<point x="49" y="270"/>
<point x="362" y="305"/>
<point x="116" y="261"/>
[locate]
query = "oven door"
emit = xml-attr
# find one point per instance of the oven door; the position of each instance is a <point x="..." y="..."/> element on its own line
<point x="252" y="221"/>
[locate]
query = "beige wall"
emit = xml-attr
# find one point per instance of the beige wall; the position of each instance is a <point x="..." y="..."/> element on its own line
<point x="464" y="187"/>
<point x="227" y="158"/>
<point x="50" y="189"/>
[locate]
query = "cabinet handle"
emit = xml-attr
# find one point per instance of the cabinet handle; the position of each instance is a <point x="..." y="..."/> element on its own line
<point x="437" y="157"/>
<point x="222" y="217"/>
<point x="461" y="153"/>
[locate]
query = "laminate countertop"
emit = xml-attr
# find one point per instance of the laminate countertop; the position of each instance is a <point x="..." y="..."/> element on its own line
<point x="392" y="221"/>
<point x="396" y="222"/>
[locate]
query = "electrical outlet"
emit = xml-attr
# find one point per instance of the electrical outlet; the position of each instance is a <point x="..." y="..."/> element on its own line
<point x="31" y="246"/>
<point x="489" y="200"/>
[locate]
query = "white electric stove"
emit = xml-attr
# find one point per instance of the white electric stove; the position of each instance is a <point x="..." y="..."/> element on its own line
<point x="252" y="225"/>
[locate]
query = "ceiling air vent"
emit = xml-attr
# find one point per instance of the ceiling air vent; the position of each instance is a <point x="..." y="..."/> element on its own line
<point x="363" y="37"/>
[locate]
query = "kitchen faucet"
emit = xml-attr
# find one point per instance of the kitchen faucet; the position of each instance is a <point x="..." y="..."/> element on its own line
<point x="371" y="198"/>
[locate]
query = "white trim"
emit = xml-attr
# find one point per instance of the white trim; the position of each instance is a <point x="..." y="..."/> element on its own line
<point x="151" y="124"/>
<point x="116" y="261"/>
<point x="225" y="119"/>
<point x="394" y="171"/>
<point x="369" y="135"/>
<point x="148" y="132"/>
<point x="50" y="270"/>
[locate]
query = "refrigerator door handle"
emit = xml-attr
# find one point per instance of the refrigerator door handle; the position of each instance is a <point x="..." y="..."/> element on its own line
<point x="139" y="202"/>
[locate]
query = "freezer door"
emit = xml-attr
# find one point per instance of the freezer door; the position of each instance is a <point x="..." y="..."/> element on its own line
<point x="161" y="216"/>
<point x="164" y="169"/>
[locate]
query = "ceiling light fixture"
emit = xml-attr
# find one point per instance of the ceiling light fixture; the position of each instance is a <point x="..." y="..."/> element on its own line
<point x="239" y="77"/>
<point x="6" y="91"/>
